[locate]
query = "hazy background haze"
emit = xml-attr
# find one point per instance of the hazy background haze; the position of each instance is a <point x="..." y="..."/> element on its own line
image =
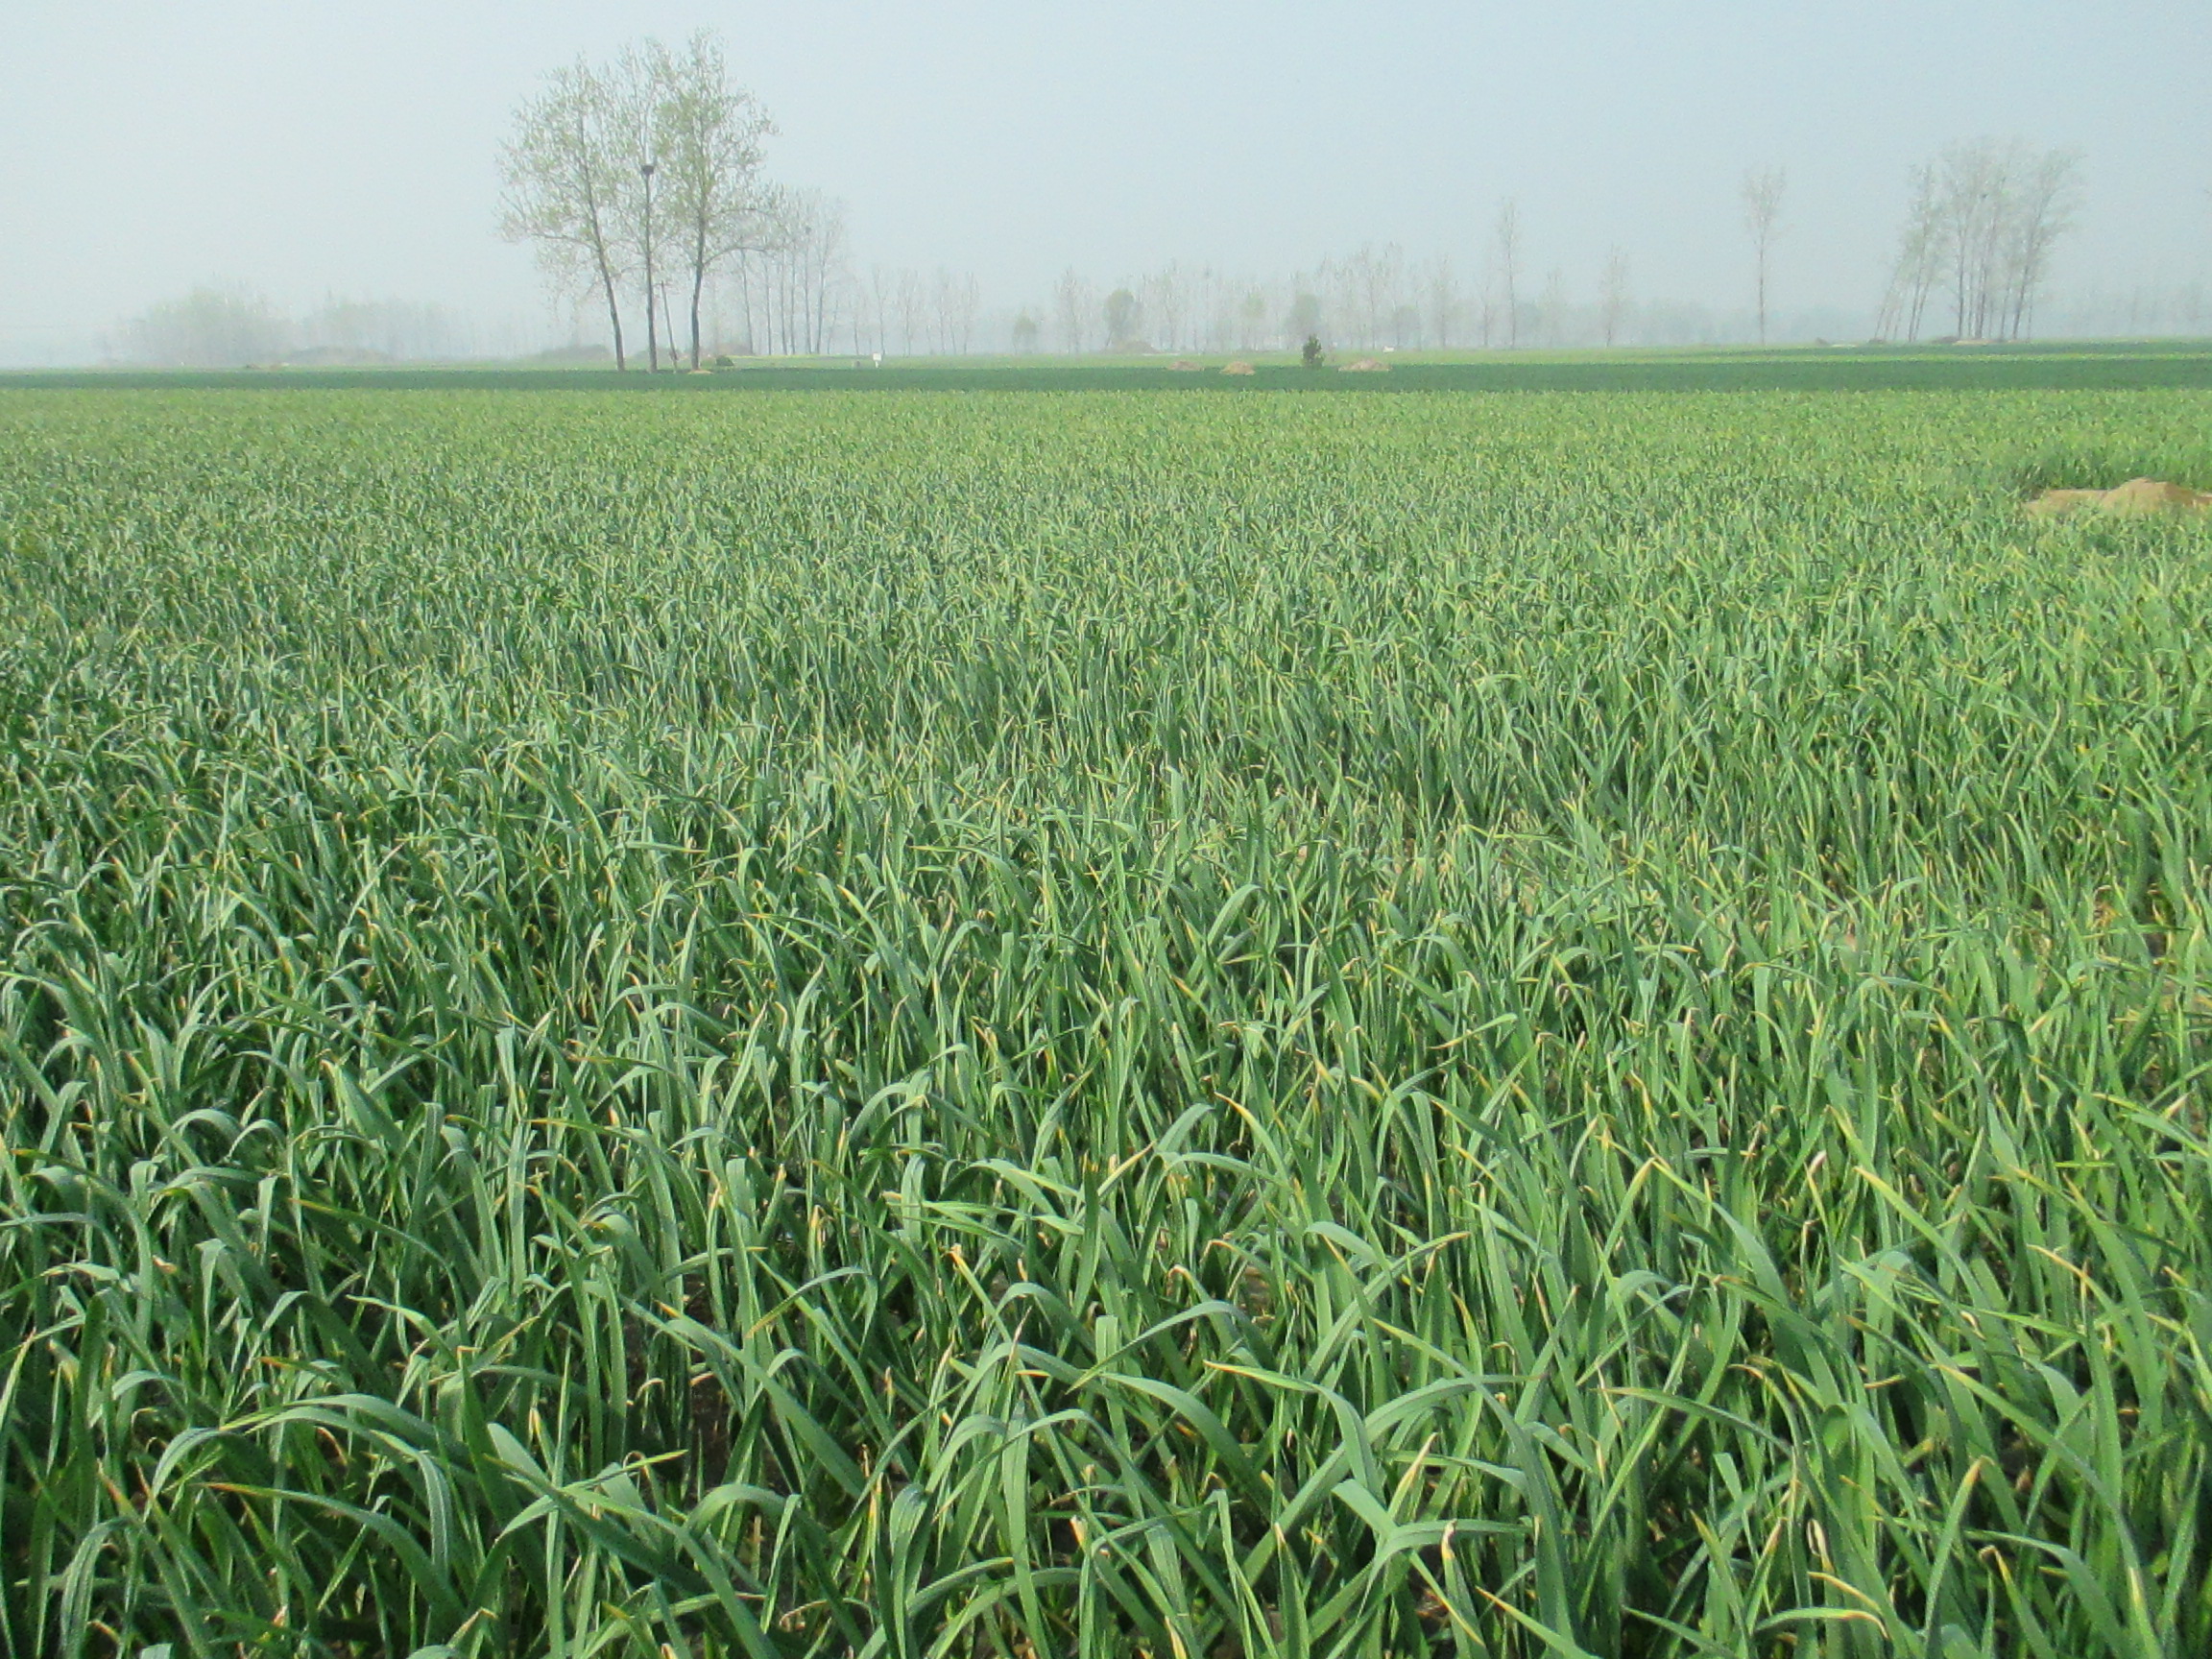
<point x="314" y="149"/>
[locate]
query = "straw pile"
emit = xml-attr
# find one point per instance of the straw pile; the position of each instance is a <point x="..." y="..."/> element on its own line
<point x="2138" y="497"/>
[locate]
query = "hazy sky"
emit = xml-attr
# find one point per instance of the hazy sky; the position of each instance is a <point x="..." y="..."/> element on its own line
<point x="306" y="147"/>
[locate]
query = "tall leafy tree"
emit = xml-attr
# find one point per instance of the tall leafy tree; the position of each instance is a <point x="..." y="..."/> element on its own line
<point x="563" y="184"/>
<point x="1125" y="317"/>
<point x="708" y="136"/>
<point x="649" y="164"/>
<point x="638" y="97"/>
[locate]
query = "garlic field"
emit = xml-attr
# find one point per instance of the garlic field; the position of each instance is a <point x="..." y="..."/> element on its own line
<point x="1123" y="1024"/>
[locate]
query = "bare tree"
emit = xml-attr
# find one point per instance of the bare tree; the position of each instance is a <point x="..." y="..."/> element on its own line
<point x="1971" y="181"/>
<point x="942" y="293"/>
<point x="1166" y="298"/>
<point x="1215" y="331"/>
<point x="963" y="300"/>
<point x="1918" y="263"/>
<point x="1613" y="295"/>
<point x="2043" y="212"/>
<point x="1551" y="309"/>
<point x="757" y="266"/>
<point x="1371" y="279"/>
<point x="1073" y="303"/>
<point x="803" y="271"/>
<point x="1359" y="296"/>
<point x="563" y="185"/>
<point x="1443" y="301"/>
<point x="1986" y="217"/>
<point x="913" y="303"/>
<point x="880" y="287"/>
<point x="1251" y="320"/>
<point x="811" y="246"/>
<point x="1981" y="190"/>
<point x="1762" y="218"/>
<point x="1505" y="253"/>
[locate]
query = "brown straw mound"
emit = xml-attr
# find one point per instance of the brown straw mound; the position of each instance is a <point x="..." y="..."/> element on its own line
<point x="2138" y="497"/>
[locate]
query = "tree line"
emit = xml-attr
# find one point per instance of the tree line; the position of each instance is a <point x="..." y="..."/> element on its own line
<point x="1984" y="222"/>
<point x="648" y="172"/>
<point x="770" y="269"/>
<point x="1377" y="297"/>
<point x="215" y="327"/>
<point x="642" y="182"/>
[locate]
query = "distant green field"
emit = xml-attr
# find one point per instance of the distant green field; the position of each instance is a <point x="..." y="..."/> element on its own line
<point x="917" y="1024"/>
<point x="2068" y="365"/>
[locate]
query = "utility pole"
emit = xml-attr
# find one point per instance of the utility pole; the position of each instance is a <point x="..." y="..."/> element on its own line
<point x="1762" y="218"/>
<point x="652" y="343"/>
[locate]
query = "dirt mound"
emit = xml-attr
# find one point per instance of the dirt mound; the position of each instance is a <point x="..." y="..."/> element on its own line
<point x="2135" y="498"/>
<point x="1184" y="366"/>
<point x="1365" y="366"/>
<point x="1238" y="369"/>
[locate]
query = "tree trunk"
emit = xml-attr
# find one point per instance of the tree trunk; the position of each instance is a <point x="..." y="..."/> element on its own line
<point x="698" y="284"/>
<point x="613" y="314"/>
